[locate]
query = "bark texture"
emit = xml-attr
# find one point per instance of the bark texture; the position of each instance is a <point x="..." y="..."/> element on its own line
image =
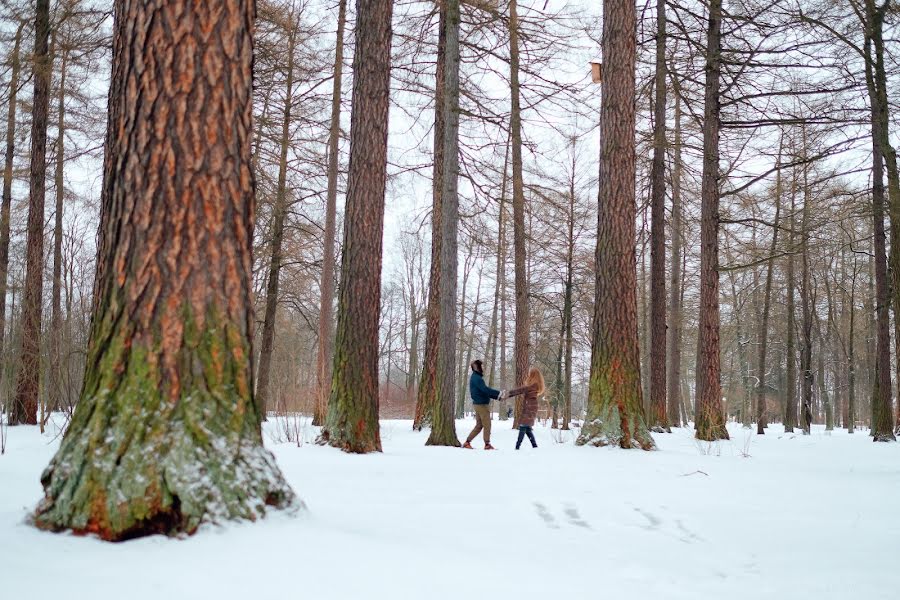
<point x="710" y="418"/>
<point x="427" y="393"/>
<point x="166" y="435"/>
<point x="326" y="299"/>
<point x="522" y="327"/>
<point x="443" y="428"/>
<point x="25" y="402"/>
<point x="615" y="416"/>
<point x="352" y="420"/>
<point x="658" y="418"/>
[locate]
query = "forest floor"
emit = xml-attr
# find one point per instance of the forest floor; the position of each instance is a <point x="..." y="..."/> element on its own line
<point x="761" y="517"/>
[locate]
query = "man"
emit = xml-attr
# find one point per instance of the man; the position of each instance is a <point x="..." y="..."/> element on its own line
<point x="481" y="399"/>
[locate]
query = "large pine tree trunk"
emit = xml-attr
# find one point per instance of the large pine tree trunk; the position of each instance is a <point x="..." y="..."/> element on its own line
<point x="5" y="207"/>
<point x="25" y="404"/>
<point x="279" y="213"/>
<point x="674" y="333"/>
<point x="326" y="299"/>
<point x="877" y="86"/>
<point x="427" y="392"/>
<point x="352" y="420"/>
<point x="168" y="368"/>
<point x="710" y="419"/>
<point x="521" y="348"/>
<point x="615" y="416"/>
<point x="658" y="417"/>
<point x="443" y="428"/>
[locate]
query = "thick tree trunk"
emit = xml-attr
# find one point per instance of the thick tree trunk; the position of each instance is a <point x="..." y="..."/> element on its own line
<point x="428" y="384"/>
<point x="674" y="333"/>
<point x="767" y="303"/>
<point x="710" y="419"/>
<point x="55" y="383"/>
<point x="279" y="213"/>
<point x="658" y="417"/>
<point x="877" y="85"/>
<point x="352" y="420"/>
<point x="326" y="298"/>
<point x="25" y="404"/>
<point x="615" y="416"/>
<point x="168" y="368"/>
<point x="443" y="429"/>
<point x="523" y="325"/>
<point x="5" y="207"/>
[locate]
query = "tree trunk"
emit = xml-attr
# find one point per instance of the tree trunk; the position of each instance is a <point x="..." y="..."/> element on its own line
<point x="25" y="404"/>
<point x="5" y="207"/>
<point x="806" y="299"/>
<point x="521" y="341"/>
<point x="567" y="297"/>
<point x="767" y="303"/>
<point x="443" y="429"/>
<point x="168" y="369"/>
<point x="710" y="420"/>
<point x="326" y="298"/>
<point x="674" y="337"/>
<point x="279" y="213"/>
<point x="615" y="415"/>
<point x="790" y="398"/>
<point x="876" y="80"/>
<point x="501" y="239"/>
<point x="428" y="384"/>
<point x="352" y="420"/>
<point x="55" y="384"/>
<point x="658" y="418"/>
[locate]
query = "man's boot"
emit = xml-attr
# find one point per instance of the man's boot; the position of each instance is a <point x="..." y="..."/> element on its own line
<point x="487" y="446"/>
<point x="468" y="446"/>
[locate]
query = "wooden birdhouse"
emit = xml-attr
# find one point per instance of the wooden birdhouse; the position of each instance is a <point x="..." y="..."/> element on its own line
<point x="596" y="71"/>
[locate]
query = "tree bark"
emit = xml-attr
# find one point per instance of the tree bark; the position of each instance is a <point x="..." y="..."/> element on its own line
<point x="428" y="384"/>
<point x="807" y="300"/>
<point x="25" y="404"/>
<point x="710" y="419"/>
<point x="675" y="316"/>
<point x="658" y="418"/>
<point x="443" y="429"/>
<point x="521" y="346"/>
<point x="168" y="369"/>
<point x="6" y="206"/>
<point x="326" y="298"/>
<point x="352" y="420"/>
<point x="615" y="415"/>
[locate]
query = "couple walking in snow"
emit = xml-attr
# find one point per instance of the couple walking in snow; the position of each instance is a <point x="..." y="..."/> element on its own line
<point x="532" y="387"/>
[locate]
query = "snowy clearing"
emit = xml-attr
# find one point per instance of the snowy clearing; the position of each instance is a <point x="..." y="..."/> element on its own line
<point x="800" y="517"/>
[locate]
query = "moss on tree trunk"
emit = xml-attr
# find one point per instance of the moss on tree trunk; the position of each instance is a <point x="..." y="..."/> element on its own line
<point x="166" y="436"/>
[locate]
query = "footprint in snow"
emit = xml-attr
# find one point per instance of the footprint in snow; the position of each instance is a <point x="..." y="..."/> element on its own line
<point x="545" y="516"/>
<point x="575" y="517"/>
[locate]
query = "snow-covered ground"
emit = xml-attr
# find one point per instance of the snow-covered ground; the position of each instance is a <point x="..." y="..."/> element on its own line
<point x="779" y="516"/>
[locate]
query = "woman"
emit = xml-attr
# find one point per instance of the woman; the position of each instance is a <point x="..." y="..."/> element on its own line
<point x="531" y="389"/>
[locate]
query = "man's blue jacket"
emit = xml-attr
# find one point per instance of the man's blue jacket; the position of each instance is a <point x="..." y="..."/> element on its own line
<point x="480" y="392"/>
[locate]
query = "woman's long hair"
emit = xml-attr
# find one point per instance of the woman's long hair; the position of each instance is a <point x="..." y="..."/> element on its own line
<point x="535" y="377"/>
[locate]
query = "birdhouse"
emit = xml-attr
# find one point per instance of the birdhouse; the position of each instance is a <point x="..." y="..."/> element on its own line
<point x="595" y="71"/>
